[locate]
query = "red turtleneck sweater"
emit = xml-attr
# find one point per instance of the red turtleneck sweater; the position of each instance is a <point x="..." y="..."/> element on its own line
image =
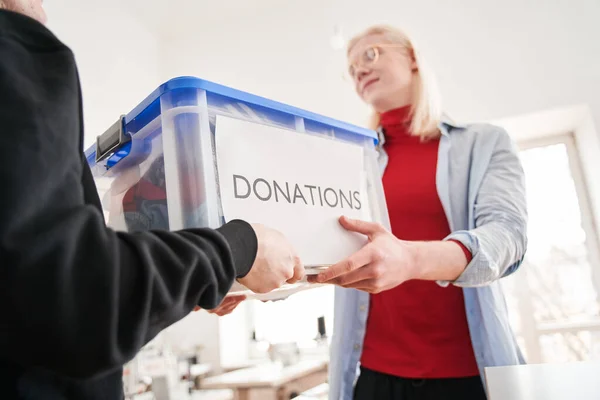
<point x="418" y="329"/>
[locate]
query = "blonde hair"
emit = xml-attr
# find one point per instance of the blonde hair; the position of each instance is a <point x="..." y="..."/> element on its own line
<point x="426" y="111"/>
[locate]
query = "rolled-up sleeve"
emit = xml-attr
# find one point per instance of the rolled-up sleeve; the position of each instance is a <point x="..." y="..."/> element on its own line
<point x="499" y="240"/>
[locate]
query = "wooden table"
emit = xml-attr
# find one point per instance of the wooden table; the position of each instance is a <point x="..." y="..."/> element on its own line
<point x="197" y="395"/>
<point x="320" y="392"/>
<point x="212" y="395"/>
<point x="271" y="381"/>
<point x="572" y="381"/>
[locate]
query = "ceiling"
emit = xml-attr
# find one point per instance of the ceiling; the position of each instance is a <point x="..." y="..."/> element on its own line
<point x="492" y="58"/>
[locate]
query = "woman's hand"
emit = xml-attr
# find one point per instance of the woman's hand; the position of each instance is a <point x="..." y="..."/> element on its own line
<point x="386" y="261"/>
<point x="382" y="264"/>
<point x="227" y="305"/>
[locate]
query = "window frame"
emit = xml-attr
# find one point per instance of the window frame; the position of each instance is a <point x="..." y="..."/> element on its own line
<point x="531" y="331"/>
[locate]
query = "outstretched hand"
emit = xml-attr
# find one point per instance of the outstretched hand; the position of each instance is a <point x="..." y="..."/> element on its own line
<point x="382" y="264"/>
<point x="227" y="305"/>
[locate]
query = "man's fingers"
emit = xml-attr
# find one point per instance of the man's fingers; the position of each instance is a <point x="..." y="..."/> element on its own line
<point x="229" y="309"/>
<point x="226" y="310"/>
<point x="226" y="302"/>
<point x="298" y="271"/>
<point x="354" y="262"/>
<point x="230" y="301"/>
<point x="222" y="312"/>
<point x="364" y="227"/>
<point x="238" y="298"/>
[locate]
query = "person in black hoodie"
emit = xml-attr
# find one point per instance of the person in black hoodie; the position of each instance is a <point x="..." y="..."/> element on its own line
<point x="77" y="299"/>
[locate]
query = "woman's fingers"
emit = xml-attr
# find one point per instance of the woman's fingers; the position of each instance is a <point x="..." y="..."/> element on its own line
<point x="367" y="272"/>
<point x="346" y="266"/>
<point x="370" y="286"/>
<point x="364" y="227"/>
<point x="352" y="263"/>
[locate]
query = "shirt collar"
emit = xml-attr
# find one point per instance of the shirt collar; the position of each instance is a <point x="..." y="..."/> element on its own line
<point x="447" y="124"/>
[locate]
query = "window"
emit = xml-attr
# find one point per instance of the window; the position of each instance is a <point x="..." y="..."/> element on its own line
<point x="553" y="298"/>
<point x="294" y="319"/>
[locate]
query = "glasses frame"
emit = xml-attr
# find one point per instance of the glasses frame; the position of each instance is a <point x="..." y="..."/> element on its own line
<point x="377" y="48"/>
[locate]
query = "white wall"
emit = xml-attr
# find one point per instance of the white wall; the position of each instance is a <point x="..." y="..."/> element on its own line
<point x="197" y="329"/>
<point x="235" y="331"/>
<point x="116" y="54"/>
<point x="224" y="341"/>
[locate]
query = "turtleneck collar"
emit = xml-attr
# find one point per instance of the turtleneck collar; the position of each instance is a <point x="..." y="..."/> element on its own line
<point x="397" y="116"/>
<point x="396" y="124"/>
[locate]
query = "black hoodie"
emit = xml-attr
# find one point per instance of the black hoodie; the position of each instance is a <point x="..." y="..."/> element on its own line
<point x="77" y="299"/>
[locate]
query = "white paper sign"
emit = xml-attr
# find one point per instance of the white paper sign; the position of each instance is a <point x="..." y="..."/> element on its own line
<point x="296" y="183"/>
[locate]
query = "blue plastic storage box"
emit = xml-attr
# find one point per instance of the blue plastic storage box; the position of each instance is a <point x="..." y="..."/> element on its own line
<point x="156" y="167"/>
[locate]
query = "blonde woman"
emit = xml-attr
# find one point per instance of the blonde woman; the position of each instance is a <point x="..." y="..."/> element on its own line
<point x="420" y="307"/>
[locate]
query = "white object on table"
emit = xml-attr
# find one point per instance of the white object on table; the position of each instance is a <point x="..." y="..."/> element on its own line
<point x="200" y="370"/>
<point x="234" y="366"/>
<point x="579" y="381"/>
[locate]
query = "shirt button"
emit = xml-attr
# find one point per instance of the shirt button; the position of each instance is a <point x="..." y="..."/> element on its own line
<point x="357" y="346"/>
<point x="362" y="308"/>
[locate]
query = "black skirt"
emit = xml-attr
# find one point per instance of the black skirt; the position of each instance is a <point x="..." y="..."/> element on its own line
<point x="374" y="385"/>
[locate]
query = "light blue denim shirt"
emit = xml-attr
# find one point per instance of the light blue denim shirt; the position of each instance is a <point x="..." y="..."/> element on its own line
<point x="481" y="184"/>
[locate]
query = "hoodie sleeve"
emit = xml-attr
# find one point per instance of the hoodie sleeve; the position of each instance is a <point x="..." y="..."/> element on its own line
<point x="76" y="297"/>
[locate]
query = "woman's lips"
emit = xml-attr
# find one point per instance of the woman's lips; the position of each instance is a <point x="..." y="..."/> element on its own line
<point x="369" y="83"/>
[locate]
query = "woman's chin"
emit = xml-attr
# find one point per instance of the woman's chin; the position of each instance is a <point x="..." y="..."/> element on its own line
<point x="373" y="99"/>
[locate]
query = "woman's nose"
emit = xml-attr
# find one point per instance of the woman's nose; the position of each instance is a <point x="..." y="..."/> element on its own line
<point x="361" y="72"/>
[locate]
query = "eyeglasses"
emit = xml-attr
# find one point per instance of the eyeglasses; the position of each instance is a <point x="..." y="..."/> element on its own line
<point x="369" y="57"/>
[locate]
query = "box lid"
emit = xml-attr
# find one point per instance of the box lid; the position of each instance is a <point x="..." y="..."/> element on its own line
<point x="149" y="109"/>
